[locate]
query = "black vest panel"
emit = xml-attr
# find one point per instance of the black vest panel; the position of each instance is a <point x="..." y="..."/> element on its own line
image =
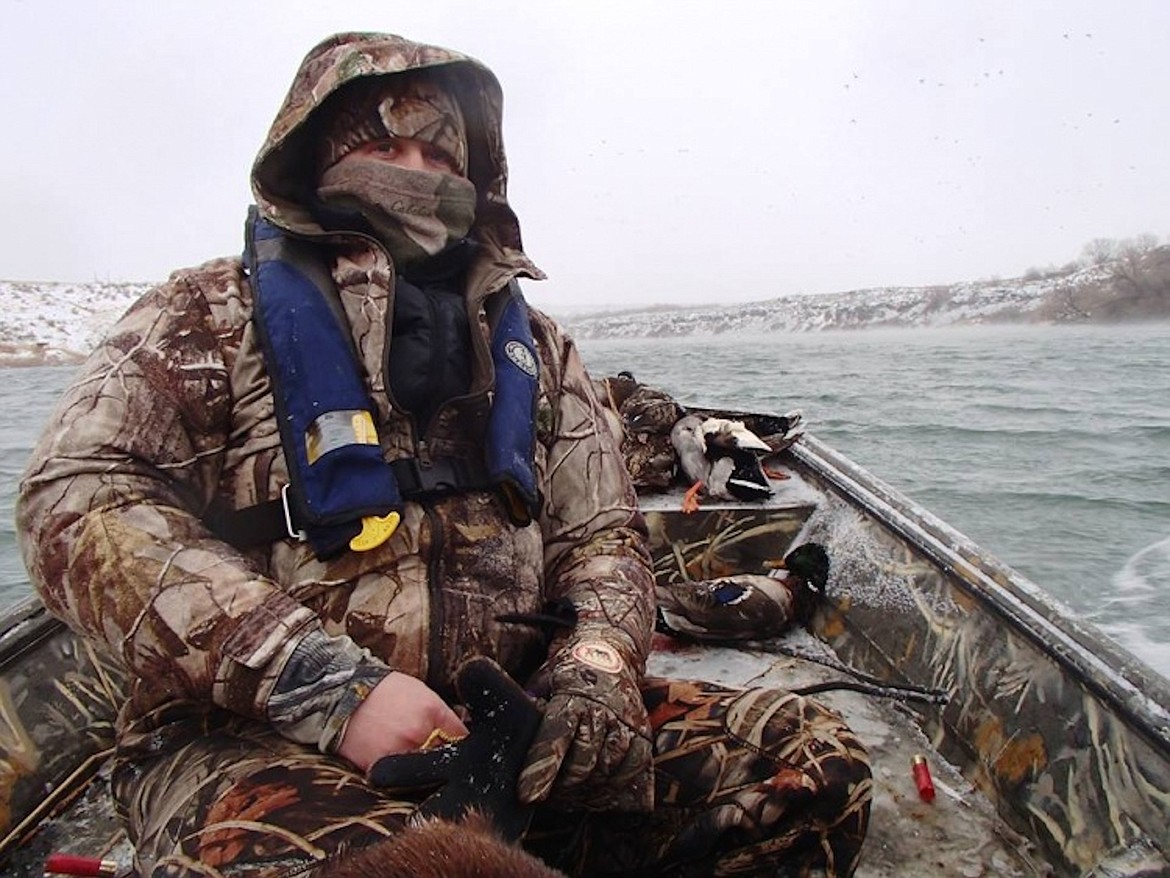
<point x="430" y="347"/>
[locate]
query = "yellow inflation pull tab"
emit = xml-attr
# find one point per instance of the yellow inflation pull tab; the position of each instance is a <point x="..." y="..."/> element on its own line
<point x="376" y="529"/>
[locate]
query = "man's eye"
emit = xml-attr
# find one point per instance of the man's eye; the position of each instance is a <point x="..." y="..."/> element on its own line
<point x="437" y="156"/>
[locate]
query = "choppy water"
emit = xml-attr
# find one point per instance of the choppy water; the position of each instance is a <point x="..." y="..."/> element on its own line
<point x="1048" y="446"/>
<point x="27" y="396"/>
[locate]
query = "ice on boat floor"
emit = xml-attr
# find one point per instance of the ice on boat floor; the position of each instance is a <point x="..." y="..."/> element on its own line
<point x="957" y="834"/>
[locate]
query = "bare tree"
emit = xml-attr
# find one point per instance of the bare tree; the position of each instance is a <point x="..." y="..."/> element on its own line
<point x="1140" y="244"/>
<point x="1141" y="277"/>
<point x="1065" y="305"/>
<point x="1099" y="251"/>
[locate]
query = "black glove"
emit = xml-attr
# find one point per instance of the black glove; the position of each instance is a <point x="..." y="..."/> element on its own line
<point x="477" y="772"/>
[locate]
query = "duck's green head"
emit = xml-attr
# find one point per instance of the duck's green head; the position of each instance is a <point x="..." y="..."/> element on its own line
<point x="809" y="561"/>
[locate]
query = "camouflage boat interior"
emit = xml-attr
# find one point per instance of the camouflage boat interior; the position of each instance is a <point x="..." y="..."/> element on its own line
<point x="1050" y="756"/>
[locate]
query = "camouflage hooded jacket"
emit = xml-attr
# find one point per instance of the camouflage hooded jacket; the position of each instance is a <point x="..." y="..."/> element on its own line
<point x="174" y="412"/>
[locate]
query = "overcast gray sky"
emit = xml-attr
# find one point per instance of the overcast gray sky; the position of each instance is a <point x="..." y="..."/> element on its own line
<point x="660" y="152"/>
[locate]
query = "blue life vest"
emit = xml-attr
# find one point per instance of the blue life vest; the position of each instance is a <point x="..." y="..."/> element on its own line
<point x="341" y="486"/>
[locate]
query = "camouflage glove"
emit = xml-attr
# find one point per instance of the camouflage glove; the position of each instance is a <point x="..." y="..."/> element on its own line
<point x="477" y="772"/>
<point x="593" y="749"/>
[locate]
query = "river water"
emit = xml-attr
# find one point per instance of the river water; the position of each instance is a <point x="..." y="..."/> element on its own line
<point x="1049" y="446"/>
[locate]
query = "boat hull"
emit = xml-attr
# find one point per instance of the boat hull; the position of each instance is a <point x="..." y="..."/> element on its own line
<point x="1052" y="750"/>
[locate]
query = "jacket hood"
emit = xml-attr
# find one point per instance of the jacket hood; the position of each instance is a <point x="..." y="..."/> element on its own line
<point x="284" y="173"/>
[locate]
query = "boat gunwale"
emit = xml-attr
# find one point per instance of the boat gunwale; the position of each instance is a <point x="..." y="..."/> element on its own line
<point x="23" y="625"/>
<point x="1114" y="674"/>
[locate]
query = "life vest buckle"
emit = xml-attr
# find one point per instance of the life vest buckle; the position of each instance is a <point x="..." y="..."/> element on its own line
<point x="442" y="475"/>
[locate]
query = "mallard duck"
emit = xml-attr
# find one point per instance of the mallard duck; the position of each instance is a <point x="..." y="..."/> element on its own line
<point x="720" y="457"/>
<point x="779" y="431"/>
<point x="642" y="417"/>
<point x="747" y="606"/>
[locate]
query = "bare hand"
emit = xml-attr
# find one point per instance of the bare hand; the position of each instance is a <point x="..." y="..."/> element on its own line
<point x="398" y="715"/>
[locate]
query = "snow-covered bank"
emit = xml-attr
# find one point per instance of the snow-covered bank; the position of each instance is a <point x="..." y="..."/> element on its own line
<point x="49" y="323"/>
<point x="1093" y="293"/>
<point x="60" y="322"/>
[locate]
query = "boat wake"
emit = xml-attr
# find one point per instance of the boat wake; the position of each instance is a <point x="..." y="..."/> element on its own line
<point x="1140" y="594"/>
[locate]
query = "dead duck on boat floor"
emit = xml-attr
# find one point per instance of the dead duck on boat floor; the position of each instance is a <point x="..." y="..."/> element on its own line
<point x="722" y="458"/>
<point x="747" y="606"/>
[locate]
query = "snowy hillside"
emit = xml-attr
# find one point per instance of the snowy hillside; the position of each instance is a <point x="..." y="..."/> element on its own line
<point x="1036" y="299"/>
<point x="1130" y="282"/>
<point x="60" y="323"/>
<point x="56" y="322"/>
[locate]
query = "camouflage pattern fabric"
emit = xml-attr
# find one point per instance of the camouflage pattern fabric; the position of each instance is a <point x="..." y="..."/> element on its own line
<point x="293" y="142"/>
<point x="415" y="214"/>
<point x="174" y="412"/>
<point x="230" y="654"/>
<point x="793" y="784"/>
<point x="643" y="416"/>
<point x="593" y="746"/>
<point x="418" y="107"/>
<point x="748" y="782"/>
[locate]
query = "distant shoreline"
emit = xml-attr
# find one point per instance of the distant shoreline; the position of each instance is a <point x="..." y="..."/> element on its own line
<point x="19" y="355"/>
<point x="57" y="324"/>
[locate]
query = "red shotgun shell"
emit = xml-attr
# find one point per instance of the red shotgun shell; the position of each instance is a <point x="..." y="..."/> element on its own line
<point x="87" y="867"/>
<point x="922" y="778"/>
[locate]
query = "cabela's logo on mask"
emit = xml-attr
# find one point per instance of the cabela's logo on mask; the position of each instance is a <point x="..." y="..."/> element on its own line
<point x="519" y="354"/>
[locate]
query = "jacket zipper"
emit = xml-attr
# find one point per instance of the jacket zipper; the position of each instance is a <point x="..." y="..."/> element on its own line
<point x="435" y="593"/>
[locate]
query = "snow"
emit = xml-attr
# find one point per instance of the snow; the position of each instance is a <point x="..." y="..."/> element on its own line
<point x="47" y="322"/>
<point x="973" y="302"/>
<point x="58" y="322"/>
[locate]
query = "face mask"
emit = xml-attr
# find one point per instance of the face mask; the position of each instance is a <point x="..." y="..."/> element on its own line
<point x="415" y="214"/>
